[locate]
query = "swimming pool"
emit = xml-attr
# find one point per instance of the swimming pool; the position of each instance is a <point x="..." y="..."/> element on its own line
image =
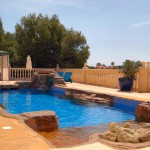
<point x="71" y="112"/>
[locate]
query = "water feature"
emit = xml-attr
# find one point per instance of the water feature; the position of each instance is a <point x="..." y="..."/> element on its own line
<point x="43" y="80"/>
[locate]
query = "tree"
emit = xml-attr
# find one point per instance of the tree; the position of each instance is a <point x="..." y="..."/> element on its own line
<point x="49" y="43"/>
<point x="1" y="34"/>
<point x="10" y="44"/>
<point x="74" y="49"/>
<point x="98" y="64"/>
<point x="112" y="63"/>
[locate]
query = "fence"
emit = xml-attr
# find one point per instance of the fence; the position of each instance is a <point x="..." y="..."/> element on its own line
<point x="144" y="78"/>
<point x="77" y="74"/>
<point x="99" y="77"/>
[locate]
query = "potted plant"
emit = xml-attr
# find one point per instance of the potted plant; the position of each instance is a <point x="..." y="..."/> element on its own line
<point x="129" y="69"/>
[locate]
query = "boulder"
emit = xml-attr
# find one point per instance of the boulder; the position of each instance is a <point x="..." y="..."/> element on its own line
<point x="126" y="134"/>
<point x="128" y="125"/>
<point x="142" y="112"/>
<point x="139" y="131"/>
<point x="41" y="120"/>
<point x="114" y="128"/>
<point x="145" y="136"/>
<point x="91" y="97"/>
<point x="127" y="137"/>
<point x="128" y="130"/>
<point x="58" y="81"/>
<point x="42" y="81"/>
<point x="98" y="100"/>
<point x="110" y="136"/>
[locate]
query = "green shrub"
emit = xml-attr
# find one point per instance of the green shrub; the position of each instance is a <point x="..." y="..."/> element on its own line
<point x="130" y="68"/>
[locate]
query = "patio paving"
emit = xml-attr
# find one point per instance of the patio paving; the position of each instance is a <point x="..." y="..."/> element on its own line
<point x="18" y="136"/>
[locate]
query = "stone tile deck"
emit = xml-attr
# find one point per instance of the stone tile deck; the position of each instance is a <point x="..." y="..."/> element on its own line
<point x="20" y="137"/>
<point x="109" y="91"/>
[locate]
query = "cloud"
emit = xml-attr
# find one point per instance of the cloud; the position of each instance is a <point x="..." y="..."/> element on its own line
<point x="24" y="3"/>
<point x="141" y="24"/>
<point x="37" y="4"/>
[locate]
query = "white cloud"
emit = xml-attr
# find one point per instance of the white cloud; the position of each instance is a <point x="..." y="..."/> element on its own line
<point x="37" y="4"/>
<point x="141" y="24"/>
<point x="40" y="2"/>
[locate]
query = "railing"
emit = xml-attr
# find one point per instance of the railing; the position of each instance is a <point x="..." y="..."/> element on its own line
<point x="103" y="77"/>
<point x="23" y="73"/>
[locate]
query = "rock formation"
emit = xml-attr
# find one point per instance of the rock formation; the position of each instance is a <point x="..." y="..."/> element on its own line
<point x="92" y="97"/>
<point x="41" y="120"/>
<point x="142" y="112"/>
<point x="126" y="134"/>
<point x="58" y="81"/>
<point x="43" y="80"/>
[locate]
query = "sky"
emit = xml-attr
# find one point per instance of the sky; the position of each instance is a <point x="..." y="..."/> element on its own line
<point x="115" y="30"/>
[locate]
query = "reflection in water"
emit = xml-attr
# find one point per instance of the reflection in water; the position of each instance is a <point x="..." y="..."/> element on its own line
<point x="5" y="97"/>
<point x="28" y="101"/>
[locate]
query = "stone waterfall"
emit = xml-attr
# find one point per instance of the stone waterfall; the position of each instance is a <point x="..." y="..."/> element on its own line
<point x="44" y="79"/>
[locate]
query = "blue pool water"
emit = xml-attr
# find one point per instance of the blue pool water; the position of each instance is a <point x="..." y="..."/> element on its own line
<point x="71" y="113"/>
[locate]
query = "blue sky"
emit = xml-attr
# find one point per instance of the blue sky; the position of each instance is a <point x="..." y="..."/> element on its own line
<point x="115" y="29"/>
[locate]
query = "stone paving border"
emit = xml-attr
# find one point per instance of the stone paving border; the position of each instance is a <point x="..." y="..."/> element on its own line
<point x="20" y="137"/>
